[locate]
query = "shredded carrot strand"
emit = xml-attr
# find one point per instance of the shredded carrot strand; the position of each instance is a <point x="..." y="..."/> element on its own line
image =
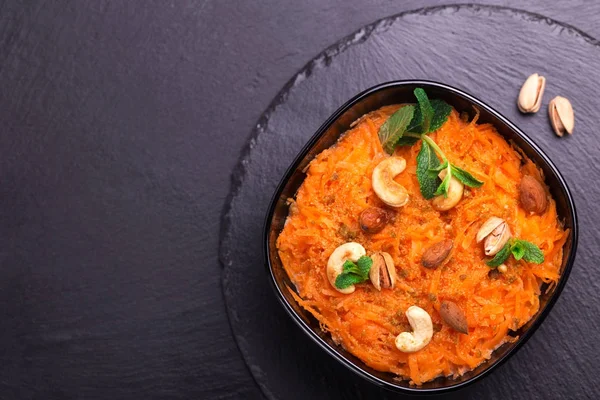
<point x="325" y="214"/>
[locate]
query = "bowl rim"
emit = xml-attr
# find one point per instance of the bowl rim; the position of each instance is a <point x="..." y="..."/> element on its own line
<point x="331" y="349"/>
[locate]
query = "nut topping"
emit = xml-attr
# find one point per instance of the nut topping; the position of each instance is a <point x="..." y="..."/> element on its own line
<point x="373" y="219"/>
<point x="530" y="96"/>
<point x="437" y="254"/>
<point x="335" y="265"/>
<point x="454" y="316"/>
<point x="562" y="117"/>
<point x="383" y="272"/>
<point x="496" y="233"/>
<point x="532" y="195"/>
<point x="455" y="193"/>
<point x="385" y="187"/>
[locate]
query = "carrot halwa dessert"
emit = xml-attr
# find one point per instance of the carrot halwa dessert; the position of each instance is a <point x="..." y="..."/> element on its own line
<point x="421" y="239"/>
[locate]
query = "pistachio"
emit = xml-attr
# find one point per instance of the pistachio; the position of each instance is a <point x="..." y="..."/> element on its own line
<point x="532" y="195"/>
<point x="487" y="228"/>
<point x="437" y="254"/>
<point x="373" y="219"/>
<point x="496" y="233"/>
<point x="562" y="117"/>
<point x="383" y="272"/>
<point x="454" y="316"/>
<point x="530" y="96"/>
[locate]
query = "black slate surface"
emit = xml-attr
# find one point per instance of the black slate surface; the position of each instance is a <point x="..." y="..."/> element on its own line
<point x="120" y="125"/>
<point x="443" y="44"/>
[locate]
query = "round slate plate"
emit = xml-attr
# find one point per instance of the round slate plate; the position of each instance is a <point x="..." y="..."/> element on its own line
<point x="488" y="52"/>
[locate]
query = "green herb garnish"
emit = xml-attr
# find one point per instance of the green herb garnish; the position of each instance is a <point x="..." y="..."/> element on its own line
<point x="531" y="253"/>
<point x="520" y="249"/>
<point x="427" y="162"/>
<point x="500" y="257"/>
<point x="354" y="273"/>
<point x="409" y="124"/>
<point x="395" y="126"/>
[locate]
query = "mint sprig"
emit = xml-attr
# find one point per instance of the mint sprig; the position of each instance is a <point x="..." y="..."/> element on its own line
<point x="409" y="124"/>
<point x="394" y="127"/>
<point x="354" y="273"/>
<point x="532" y="253"/>
<point x="427" y="163"/>
<point x="520" y="249"/>
<point x="500" y="257"/>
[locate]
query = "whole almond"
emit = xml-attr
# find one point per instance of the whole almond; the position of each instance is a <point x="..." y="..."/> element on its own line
<point x="437" y="254"/>
<point x="454" y="316"/>
<point x="532" y="195"/>
<point x="373" y="219"/>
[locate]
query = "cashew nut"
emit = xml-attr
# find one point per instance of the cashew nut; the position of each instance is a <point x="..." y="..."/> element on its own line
<point x="335" y="265"/>
<point x="455" y="193"/>
<point x="420" y="321"/>
<point x="389" y="191"/>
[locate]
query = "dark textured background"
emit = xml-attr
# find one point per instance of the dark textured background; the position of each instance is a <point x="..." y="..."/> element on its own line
<point x="120" y="124"/>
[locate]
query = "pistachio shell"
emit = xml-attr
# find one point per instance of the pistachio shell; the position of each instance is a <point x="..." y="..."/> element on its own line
<point x="497" y="239"/>
<point x="530" y="96"/>
<point x="487" y="228"/>
<point x="383" y="272"/>
<point x="562" y="116"/>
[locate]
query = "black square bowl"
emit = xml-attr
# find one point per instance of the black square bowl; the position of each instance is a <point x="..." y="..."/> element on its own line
<point x="327" y="135"/>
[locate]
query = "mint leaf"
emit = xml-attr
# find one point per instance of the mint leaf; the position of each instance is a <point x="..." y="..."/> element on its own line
<point x="425" y="108"/>
<point x="351" y="267"/>
<point x="517" y="249"/>
<point x="364" y="265"/>
<point x="427" y="161"/>
<point x="532" y="253"/>
<point x="354" y="273"/>
<point x="439" y="168"/>
<point x="465" y="177"/>
<point x="416" y="122"/>
<point x="445" y="185"/>
<point x="435" y="115"/>
<point x="394" y="127"/>
<point x="500" y="257"/>
<point x="441" y="112"/>
<point x="407" y="140"/>
<point x="347" y="279"/>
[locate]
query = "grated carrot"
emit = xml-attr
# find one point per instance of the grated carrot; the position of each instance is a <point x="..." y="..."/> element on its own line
<point x="325" y="215"/>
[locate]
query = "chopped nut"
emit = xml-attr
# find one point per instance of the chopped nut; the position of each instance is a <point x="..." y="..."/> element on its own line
<point x="502" y="268"/>
<point x="346" y="233"/>
<point x="494" y="274"/>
